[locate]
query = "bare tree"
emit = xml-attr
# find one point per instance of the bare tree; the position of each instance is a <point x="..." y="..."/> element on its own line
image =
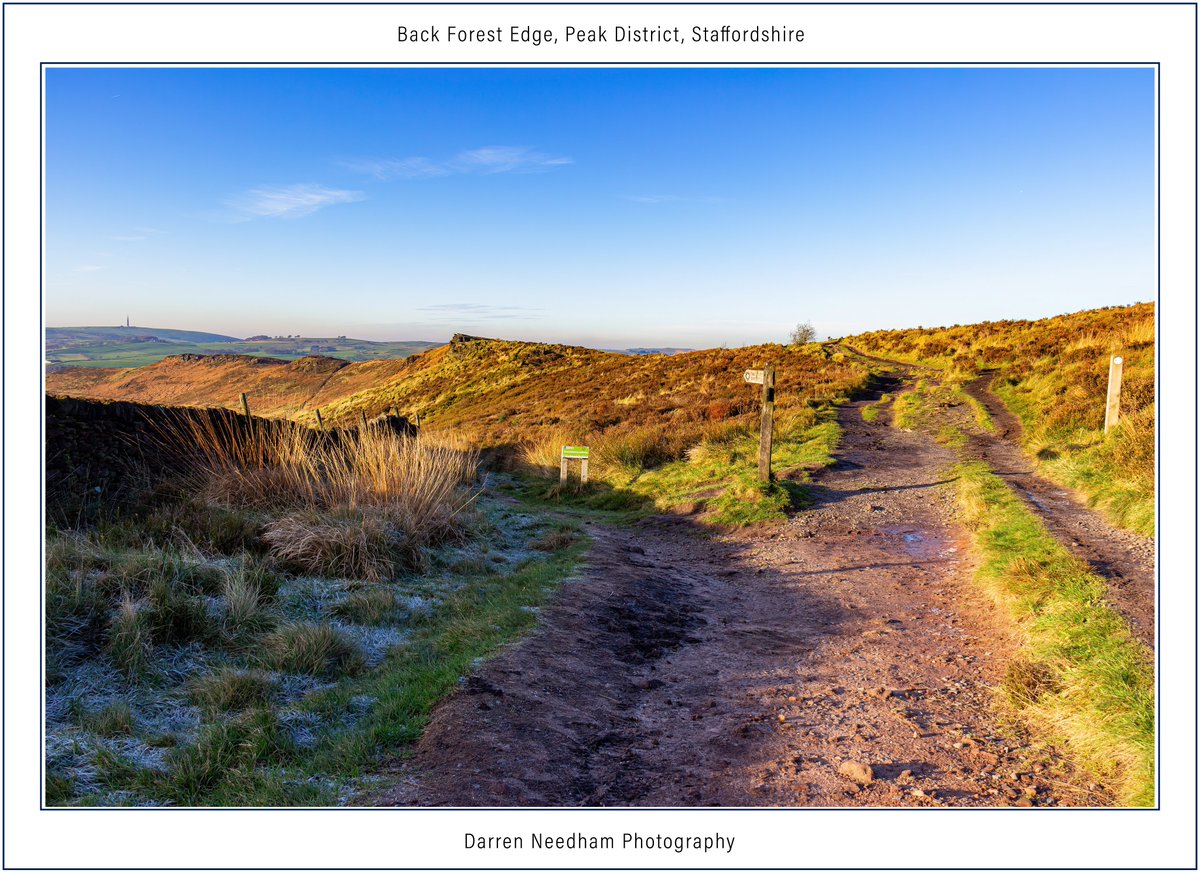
<point x="804" y="333"/>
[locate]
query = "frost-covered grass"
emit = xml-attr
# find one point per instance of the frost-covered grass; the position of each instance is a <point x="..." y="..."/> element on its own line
<point x="200" y="677"/>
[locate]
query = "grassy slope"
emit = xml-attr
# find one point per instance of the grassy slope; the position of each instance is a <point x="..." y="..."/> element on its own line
<point x="666" y="432"/>
<point x="276" y="388"/>
<point x="512" y="390"/>
<point x="527" y="399"/>
<point x="1053" y="374"/>
<point x="1080" y="679"/>
<point x="249" y="716"/>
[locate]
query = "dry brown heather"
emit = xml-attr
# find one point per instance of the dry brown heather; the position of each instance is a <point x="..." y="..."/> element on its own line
<point x="493" y="390"/>
<point x="1053" y="373"/>
<point x="637" y="412"/>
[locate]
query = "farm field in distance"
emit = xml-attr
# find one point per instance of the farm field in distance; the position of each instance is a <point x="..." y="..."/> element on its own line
<point x="109" y="347"/>
<point x="944" y="597"/>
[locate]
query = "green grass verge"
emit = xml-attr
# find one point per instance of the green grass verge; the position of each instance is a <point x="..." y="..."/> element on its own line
<point x="472" y="625"/>
<point x="871" y="412"/>
<point x="718" y="481"/>
<point x="908" y="407"/>
<point x="1080" y="679"/>
<point x="982" y="418"/>
<point x="1099" y="468"/>
<point x="247" y="762"/>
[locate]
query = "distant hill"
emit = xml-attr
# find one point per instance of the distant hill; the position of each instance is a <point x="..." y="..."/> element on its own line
<point x="665" y="350"/>
<point x="122" y="347"/>
<point x="60" y="336"/>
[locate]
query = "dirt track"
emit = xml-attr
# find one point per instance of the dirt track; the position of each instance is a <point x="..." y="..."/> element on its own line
<point x="684" y="669"/>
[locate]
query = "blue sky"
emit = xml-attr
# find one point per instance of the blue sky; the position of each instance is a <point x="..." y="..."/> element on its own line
<point x="607" y="207"/>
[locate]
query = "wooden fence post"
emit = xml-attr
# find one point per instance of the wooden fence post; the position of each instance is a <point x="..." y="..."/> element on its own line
<point x="363" y="414"/>
<point x="320" y="421"/>
<point x="246" y="410"/>
<point x="1112" y="405"/>
<point x="767" y="424"/>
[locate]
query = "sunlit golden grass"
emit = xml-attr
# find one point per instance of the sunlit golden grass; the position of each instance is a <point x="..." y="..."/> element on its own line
<point x="355" y="546"/>
<point x="1081" y="679"/>
<point x="1053" y="373"/>
<point x="355" y="503"/>
<point x="273" y="466"/>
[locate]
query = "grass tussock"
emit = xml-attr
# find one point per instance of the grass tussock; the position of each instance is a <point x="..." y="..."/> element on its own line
<point x="1082" y="679"/>
<point x="369" y="606"/>
<point x="226" y="753"/>
<point x="230" y="690"/>
<point x="561" y="537"/>
<point x="129" y="640"/>
<point x="417" y="478"/>
<point x="313" y="649"/>
<point x="356" y="546"/>
<point x="174" y="615"/>
<point x="905" y="410"/>
<point x="113" y="720"/>
<point x="357" y="504"/>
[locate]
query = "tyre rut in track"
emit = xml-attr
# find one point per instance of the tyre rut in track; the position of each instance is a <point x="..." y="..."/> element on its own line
<point x="1124" y="559"/>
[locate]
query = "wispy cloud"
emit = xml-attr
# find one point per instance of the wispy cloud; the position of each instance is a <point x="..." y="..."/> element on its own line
<point x="385" y="169"/>
<point x="485" y="161"/>
<point x="481" y="310"/>
<point x="289" y="201"/>
<point x="652" y="199"/>
<point x="89" y="268"/>
<point x="507" y="159"/>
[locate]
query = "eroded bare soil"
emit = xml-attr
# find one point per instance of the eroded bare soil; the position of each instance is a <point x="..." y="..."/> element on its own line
<point x="768" y="667"/>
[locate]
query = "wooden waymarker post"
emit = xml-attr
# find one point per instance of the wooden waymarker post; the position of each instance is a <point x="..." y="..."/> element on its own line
<point x="569" y="452"/>
<point x="320" y="421"/>
<point x="766" y="378"/>
<point x="1112" y="406"/>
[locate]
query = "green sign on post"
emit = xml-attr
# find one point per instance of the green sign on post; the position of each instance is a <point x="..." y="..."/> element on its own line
<point x="568" y="453"/>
